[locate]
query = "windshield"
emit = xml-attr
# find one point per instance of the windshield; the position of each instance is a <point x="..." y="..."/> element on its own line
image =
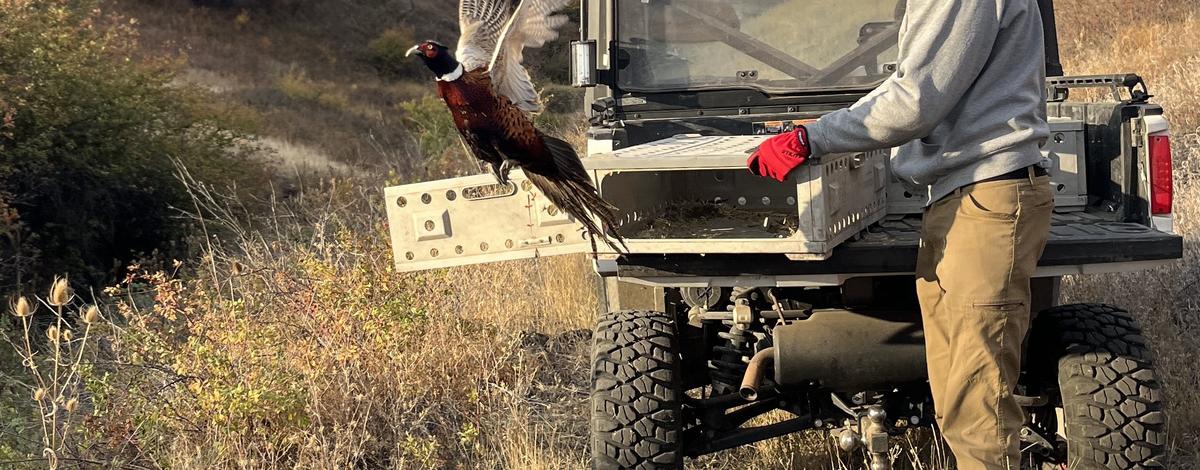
<point x="773" y="45"/>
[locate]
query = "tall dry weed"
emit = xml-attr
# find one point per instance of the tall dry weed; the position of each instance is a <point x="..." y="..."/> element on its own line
<point x="50" y="344"/>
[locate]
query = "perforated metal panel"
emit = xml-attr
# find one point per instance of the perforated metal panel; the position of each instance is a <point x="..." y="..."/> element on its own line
<point x="473" y="220"/>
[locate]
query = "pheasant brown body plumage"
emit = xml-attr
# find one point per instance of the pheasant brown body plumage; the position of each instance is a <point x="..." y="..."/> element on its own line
<point x="491" y="126"/>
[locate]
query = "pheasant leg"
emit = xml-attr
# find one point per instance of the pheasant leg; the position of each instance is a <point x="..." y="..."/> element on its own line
<point x="500" y="172"/>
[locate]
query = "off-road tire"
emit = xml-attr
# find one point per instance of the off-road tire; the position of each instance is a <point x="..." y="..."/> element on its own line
<point x="1112" y="400"/>
<point x="636" y="396"/>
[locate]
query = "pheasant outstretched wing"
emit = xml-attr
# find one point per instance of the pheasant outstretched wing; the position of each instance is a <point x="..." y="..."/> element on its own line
<point x="481" y="22"/>
<point x="533" y="24"/>
<point x="495" y="34"/>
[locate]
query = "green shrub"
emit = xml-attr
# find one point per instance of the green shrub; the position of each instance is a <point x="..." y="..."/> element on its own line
<point x="437" y="137"/>
<point x="387" y="53"/>
<point x="87" y="143"/>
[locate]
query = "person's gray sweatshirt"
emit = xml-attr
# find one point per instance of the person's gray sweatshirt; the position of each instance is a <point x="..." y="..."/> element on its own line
<point x="967" y="101"/>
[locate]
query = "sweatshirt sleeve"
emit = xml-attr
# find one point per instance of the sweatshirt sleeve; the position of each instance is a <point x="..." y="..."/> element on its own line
<point x="943" y="48"/>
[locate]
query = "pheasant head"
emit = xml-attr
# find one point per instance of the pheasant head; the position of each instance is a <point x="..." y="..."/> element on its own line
<point x="438" y="58"/>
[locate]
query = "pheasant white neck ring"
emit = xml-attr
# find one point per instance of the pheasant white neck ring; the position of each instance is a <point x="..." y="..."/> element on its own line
<point x="452" y="76"/>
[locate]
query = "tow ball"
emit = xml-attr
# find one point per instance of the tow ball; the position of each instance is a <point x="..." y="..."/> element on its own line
<point x="868" y="431"/>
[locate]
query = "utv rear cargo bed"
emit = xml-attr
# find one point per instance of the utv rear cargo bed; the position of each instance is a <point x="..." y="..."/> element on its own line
<point x="1079" y="243"/>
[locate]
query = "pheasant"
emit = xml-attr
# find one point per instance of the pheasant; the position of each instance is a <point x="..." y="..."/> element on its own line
<point x="490" y="95"/>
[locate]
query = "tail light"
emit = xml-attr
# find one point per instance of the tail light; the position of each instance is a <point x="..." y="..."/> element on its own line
<point x="1162" y="188"/>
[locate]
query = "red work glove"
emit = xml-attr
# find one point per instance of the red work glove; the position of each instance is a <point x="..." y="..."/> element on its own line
<point x="779" y="155"/>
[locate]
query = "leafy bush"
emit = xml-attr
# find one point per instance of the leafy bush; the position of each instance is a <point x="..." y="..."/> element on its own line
<point x="86" y="143"/>
<point x="437" y="137"/>
<point x="387" y="53"/>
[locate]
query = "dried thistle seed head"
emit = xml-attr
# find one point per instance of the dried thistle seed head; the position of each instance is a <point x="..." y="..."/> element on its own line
<point x="60" y="292"/>
<point x="237" y="269"/>
<point x="52" y="333"/>
<point x="39" y="394"/>
<point x="91" y="314"/>
<point x="21" y="308"/>
<point x="72" y="404"/>
<point x="67" y="335"/>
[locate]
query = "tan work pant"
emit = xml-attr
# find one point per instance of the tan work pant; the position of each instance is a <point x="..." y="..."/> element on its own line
<point x="979" y="248"/>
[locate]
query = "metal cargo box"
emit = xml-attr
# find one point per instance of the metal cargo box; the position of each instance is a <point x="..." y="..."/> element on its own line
<point x="1065" y="149"/>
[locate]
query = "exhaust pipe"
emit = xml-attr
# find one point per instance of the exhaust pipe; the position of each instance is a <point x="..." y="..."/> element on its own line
<point x="851" y="351"/>
<point x="754" y="374"/>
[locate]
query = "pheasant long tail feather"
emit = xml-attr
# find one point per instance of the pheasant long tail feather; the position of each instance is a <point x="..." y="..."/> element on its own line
<point x="571" y="190"/>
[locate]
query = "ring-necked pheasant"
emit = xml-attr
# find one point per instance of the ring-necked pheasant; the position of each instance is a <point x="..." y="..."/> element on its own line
<point x="490" y="95"/>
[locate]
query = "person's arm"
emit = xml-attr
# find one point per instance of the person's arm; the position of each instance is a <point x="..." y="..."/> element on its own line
<point x="945" y="47"/>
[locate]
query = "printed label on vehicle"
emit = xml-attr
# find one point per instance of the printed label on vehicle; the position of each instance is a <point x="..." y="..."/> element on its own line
<point x="779" y="127"/>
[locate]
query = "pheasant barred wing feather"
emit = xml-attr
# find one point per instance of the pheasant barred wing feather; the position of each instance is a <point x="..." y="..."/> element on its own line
<point x="495" y="34"/>
<point x="481" y="22"/>
<point x="533" y="24"/>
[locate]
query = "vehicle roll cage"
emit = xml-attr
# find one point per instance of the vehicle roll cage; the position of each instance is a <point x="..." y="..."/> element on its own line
<point x="597" y="23"/>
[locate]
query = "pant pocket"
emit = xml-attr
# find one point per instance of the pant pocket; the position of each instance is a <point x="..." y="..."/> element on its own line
<point x="997" y="200"/>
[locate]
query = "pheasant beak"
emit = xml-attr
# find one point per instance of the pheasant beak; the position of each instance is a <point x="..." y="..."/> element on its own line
<point x="415" y="49"/>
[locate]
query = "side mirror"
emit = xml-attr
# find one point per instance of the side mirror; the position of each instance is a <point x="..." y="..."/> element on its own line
<point x="583" y="64"/>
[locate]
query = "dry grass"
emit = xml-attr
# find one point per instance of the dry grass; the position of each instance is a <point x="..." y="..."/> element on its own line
<point x="294" y="343"/>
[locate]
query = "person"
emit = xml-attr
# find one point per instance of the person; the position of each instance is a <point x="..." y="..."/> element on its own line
<point x="965" y="112"/>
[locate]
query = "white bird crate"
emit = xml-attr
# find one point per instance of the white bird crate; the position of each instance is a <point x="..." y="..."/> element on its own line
<point x="686" y="194"/>
<point x="693" y="194"/>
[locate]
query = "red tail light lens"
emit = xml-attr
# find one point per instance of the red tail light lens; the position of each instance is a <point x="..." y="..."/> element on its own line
<point x="1162" y="187"/>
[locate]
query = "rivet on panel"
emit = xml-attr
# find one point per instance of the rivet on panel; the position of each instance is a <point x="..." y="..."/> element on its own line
<point x="433" y="252"/>
<point x="526" y="185"/>
<point x="508" y="244"/>
<point x="451" y="195"/>
<point x="410" y="255"/>
<point x="483" y="246"/>
<point x="401" y="201"/>
<point x="559" y="238"/>
<point x="458" y="249"/>
<point x="426" y="198"/>
<point x="766" y="201"/>
<point x="429" y="225"/>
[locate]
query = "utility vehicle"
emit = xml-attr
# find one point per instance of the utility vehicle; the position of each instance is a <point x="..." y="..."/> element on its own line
<point x="741" y="297"/>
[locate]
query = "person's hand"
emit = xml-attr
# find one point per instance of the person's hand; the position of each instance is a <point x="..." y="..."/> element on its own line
<point x="779" y="155"/>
